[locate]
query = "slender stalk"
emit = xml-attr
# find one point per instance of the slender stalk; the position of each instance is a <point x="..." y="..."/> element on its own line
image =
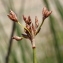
<point x="34" y="51"/>
<point x="34" y="55"/>
<point x="40" y="27"/>
<point x="10" y="44"/>
<point x="24" y="27"/>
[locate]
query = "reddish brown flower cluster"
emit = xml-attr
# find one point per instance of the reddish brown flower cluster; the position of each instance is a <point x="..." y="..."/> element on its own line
<point x="45" y="13"/>
<point x="30" y="26"/>
<point x="12" y="16"/>
<point x="31" y="30"/>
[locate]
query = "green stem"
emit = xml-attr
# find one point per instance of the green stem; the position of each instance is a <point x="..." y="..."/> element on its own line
<point x="34" y="51"/>
<point x="34" y="55"/>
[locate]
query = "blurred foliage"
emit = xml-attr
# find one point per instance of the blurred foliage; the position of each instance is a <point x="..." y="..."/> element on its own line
<point x="50" y="46"/>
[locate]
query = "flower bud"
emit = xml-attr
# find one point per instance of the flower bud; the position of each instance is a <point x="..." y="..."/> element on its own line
<point x="17" y="38"/>
<point x="36" y="22"/>
<point x="29" y="29"/>
<point x="24" y="18"/>
<point x="12" y="16"/>
<point x="27" y="20"/>
<point x="46" y="13"/>
<point x="33" y="29"/>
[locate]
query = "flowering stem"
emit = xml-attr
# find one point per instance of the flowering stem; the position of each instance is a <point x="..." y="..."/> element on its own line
<point x="34" y="52"/>
<point x="40" y="27"/>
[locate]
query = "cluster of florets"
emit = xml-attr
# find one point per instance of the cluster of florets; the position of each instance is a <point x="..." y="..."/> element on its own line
<point x="31" y="30"/>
